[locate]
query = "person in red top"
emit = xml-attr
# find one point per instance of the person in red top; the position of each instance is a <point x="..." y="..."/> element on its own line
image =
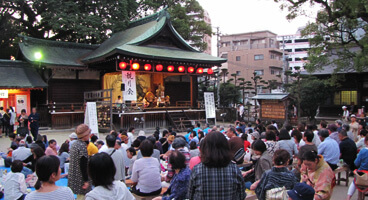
<point x="246" y="142"/>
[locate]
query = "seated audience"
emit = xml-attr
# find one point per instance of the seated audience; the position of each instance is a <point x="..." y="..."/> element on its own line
<point x="271" y="143"/>
<point x="179" y="184"/>
<point x="156" y="152"/>
<point x="37" y="153"/>
<point x="309" y="145"/>
<point x="361" y="162"/>
<point x="278" y="176"/>
<point x="216" y="167"/>
<point x="194" y="151"/>
<point x="51" y="149"/>
<point x="146" y="172"/>
<point x="361" y="144"/>
<point x="318" y="174"/>
<point x="132" y="155"/>
<point x="329" y="149"/>
<point x="63" y="155"/>
<point x="14" y="184"/>
<point x="48" y="172"/>
<point x="246" y="142"/>
<point x="286" y="143"/>
<point x="180" y="145"/>
<point x="101" y="170"/>
<point x="348" y="149"/>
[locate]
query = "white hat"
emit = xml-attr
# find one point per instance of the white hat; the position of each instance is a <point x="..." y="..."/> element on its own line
<point x="73" y="136"/>
<point x="344" y="107"/>
<point x="353" y="116"/>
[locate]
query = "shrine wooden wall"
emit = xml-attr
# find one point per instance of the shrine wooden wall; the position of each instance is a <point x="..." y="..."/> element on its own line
<point x="272" y="109"/>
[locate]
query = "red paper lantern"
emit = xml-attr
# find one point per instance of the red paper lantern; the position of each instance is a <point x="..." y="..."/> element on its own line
<point x="181" y="68"/>
<point x="135" y="66"/>
<point x="159" y="67"/>
<point x="200" y="71"/>
<point x="123" y="65"/>
<point x="170" y="68"/>
<point x="147" y="67"/>
<point x="210" y="71"/>
<point x="190" y="69"/>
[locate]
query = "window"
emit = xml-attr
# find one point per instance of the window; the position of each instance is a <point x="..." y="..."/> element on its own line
<point x="346" y="98"/>
<point x="237" y="58"/>
<point x="259" y="72"/>
<point x="258" y="57"/>
<point x="301" y="50"/>
<point x="243" y="42"/>
<point x="301" y="40"/>
<point x="289" y="50"/>
<point x="273" y="56"/>
<point x="225" y="44"/>
<point x="290" y="59"/>
<point x="224" y="55"/>
<point x="236" y="43"/>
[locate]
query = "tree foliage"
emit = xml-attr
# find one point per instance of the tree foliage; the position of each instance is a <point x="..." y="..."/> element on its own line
<point x="340" y="33"/>
<point x="229" y="94"/>
<point x="187" y="18"/>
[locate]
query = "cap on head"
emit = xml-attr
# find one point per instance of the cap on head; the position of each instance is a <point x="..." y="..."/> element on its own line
<point x="73" y="136"/>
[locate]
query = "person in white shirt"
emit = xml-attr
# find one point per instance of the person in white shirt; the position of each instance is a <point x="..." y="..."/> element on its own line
<point x="117" y="156"/>
<point x="345" y="114"/>
<point x="119" y="100"/>
<point x="15" y="184"/>
<point x="21" y="153"/>
<point x="101" y="146"/>
<point x="131" y="136"/>
<point x="241" y="111"/>
<point x="101" y="170"/>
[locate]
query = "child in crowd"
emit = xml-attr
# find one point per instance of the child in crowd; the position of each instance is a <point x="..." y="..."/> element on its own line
<point x="15" y="184"/>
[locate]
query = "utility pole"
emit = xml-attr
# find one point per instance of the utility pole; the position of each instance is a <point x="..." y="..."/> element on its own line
<point x="218" y="55"/>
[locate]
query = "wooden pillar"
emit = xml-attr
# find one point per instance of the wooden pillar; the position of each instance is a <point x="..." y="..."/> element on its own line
<point x="193" y="91"/>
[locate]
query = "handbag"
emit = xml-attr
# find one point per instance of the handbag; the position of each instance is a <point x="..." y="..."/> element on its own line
<point x="239" y="156"/>
<point x="361" y="178"/>
<point x="279" y="193"/>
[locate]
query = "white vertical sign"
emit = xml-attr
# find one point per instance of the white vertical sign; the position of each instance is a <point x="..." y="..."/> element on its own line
<point x="209" y="104"/>
<point x="130" y="93"/>
<point x="4" y="94"/>
<point x="21" y="103"/>
<point x="90" y="117"/>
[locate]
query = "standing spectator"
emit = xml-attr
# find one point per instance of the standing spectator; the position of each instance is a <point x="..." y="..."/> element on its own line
<point x="317" y="173"/>
<point x="73" y="137"/>
<point x="2" y="113"/>
<point x="23" y="119"/>
<point x="48" y="172"/>
<point x="179" y="184"/>
<point x="63" y="155"/>
<point x="329" y="149"/>
<point x="101" y="170"/>
<point x="6" y="122"/>
<point x="354" y="127"/>
<point x="287" y="144"/>
<point x="216" y="167"/>
<point x="130" y="136"/>
<point x="348" y="149"/>
<point x="34" y="119"/>
<point x="278" y="176"/>
<point x="117" y="157"/>
<point x="51" y="149"/>
<point x="15" y="184"/>
<point x="77" y="175"/>
<point x="13" y="116"/>
<point x="345" y="114"/>
<point x="146" y="172"/>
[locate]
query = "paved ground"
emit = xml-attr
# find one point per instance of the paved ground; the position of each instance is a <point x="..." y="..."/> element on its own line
<point x="61" y="135"/>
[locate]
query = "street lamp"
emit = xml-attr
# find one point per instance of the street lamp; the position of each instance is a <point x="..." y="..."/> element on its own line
<point x="38" y="55"/>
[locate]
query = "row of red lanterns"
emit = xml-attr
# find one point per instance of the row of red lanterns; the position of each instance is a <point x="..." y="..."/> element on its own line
<point x="159" y="68"/>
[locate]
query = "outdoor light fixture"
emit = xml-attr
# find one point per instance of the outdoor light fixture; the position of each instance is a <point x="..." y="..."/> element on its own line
<point x="181" y="68"/>
<point x="170" y="68"/>
<point x="123" y="65"/>
<point x="147" y="67"/>
<point x="159" y="67"/>
<point x="200" y="70"/>
<point x="190" y="69"/>
<point x="135" y="66"/>
<point x="38" y="55"/>
<point x="210" y="71"/>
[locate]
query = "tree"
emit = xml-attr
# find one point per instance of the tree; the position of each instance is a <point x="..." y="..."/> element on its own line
<point x="229" y="94"/>
<point x="340" y="33"/>
<point x="187" y="18"/>
<point x="309" y="93"/>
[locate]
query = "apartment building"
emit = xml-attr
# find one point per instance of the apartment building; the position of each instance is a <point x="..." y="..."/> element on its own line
<point x="207" y="38"/>
<point x="257" y="52"/>
<point x="296" y="47"/>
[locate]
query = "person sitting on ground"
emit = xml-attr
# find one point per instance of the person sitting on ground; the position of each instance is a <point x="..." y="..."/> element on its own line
<point x="48" y="172"/>
<point x="117" y="156"/>
<point x="278" y="176"/>
<point x="263" y="164"/>
<point x="146" y="172"/>
<point x="318" y="174"/>
<point x="180" y="145"/>
<point x="63" y="155"/>
<point x="101" y="170"/>
<point x="132" y="155"/>
<point x="245" y="140"/>
<point x="92" y="148"/>
<point x="348" y="150"/>
<point x="361" y="162"/>
<point x="361" y="144"/>
<point x="14" y="184"/>
<point x="329" y="149"/>
<point x="179" y="184"/>
<point x="309" y="145"/>
<point x="271" y="143"/>
<point x="194" y="151"/>
<point x="136" y="144"/>
<point x="156" y="152"/>
<point x="297" y="138"/>
<point x="51" y="149"/>
<point x="235" y="144"/>
<point x="286" y="143"/>
<point x="37" y="153"/>
<point x="216" y="167"/>
<point x="301" y="191"/>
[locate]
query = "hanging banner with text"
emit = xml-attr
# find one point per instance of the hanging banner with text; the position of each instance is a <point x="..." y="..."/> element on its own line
<point x="90" y="117"/>
<point x="130" y="93"/>
<point x="209" y="104"/>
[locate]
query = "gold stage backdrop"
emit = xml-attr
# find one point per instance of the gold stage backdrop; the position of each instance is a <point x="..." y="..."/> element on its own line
<point x="145" y="83"/>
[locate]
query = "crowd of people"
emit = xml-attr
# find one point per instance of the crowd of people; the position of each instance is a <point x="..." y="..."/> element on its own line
<point x="205" y="163"/>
